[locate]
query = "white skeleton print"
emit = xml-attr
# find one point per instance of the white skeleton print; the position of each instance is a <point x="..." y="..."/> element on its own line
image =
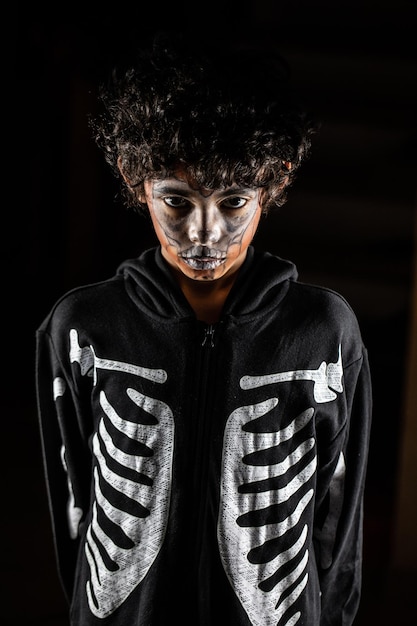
<point x="115" y="570"/>
<point x="137" y="507"/>
<point x="264" y="608"/>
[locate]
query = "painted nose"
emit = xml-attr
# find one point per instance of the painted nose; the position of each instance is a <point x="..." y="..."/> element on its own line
<point x="204" y="226"/>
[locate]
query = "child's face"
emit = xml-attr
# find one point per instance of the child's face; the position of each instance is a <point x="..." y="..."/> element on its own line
<point x="204" y="235"/>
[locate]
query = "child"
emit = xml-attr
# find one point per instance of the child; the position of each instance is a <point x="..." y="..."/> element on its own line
<point x="205" y="416"/>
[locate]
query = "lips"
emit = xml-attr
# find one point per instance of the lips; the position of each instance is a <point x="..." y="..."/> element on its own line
<point x="203" y="257"/>
<point x="204" y="264"/>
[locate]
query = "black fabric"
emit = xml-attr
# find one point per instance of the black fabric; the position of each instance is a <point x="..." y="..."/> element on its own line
<point x="206" y="475"/>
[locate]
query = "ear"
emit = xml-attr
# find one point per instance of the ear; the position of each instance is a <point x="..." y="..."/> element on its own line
<point x="140" y="196"/>
<point x="287" y="167"/>
<point x="119" y="165"/>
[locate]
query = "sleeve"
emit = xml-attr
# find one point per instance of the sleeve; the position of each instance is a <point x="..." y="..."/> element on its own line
<point x="65" y="452"/>
<point x="338" y="535"/>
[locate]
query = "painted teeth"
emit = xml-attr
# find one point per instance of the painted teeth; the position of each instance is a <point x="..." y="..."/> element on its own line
<point x="200" y="252"/>
<point x="203" y="263"/>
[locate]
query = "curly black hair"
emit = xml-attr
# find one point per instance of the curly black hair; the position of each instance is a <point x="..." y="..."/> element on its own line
<point x="223" y="115"/>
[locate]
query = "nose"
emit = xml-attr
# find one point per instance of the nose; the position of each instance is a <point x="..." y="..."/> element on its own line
<point x="205" y="225"/>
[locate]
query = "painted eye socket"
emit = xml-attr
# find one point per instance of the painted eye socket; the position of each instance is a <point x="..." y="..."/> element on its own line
<point x="176" y="202"/>
<point x="179" y="202"/>
<point x="234" y="202"/>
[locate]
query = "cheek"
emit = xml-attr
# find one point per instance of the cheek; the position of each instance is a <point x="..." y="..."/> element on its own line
<point x="159" y="228"/>
<point x="245" y="232"/>
<point x="170" y="232"/>
<point x="253" y="227"/>
<point x="243" y="223"/>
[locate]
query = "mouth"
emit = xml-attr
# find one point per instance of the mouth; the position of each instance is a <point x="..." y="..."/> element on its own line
<point x="203" y="258"/>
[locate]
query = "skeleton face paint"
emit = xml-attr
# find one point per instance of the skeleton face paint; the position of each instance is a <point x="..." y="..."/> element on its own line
<point x="203" y="234"/>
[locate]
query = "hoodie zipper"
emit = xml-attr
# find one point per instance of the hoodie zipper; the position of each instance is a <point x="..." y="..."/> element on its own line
<point x="204" y="404"/>
<point x="208" y="340"/>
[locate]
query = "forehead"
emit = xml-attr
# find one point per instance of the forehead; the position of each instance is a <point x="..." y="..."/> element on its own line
<point x="182" y="184"/>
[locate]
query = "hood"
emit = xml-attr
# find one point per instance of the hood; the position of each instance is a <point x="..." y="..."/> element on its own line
<point x="262" y="282"/>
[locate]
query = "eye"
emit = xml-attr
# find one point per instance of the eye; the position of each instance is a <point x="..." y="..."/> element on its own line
<point x="234" y="202"/>
<point x="176" y="202"/>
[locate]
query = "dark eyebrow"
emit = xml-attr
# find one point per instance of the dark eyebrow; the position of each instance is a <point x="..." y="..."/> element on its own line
<point x="237" y="190"/>
<point x="173" y="189"/>
<point x="168" y="189"/>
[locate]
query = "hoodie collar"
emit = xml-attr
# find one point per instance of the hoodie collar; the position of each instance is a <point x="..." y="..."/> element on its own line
<point x="261" y="284"/>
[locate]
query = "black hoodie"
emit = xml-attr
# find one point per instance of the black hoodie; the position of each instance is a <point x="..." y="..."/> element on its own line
<point x="205" y="475"/>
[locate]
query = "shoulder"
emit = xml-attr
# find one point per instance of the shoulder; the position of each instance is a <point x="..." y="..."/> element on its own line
<point x="85" y="302"/>
<point x="320" y="293"/>
<point x="327" y="315"/>
<point x="328" y="300"/>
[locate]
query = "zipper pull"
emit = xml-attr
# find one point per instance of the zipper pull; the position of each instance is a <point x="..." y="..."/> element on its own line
<point x="208" y="336"/>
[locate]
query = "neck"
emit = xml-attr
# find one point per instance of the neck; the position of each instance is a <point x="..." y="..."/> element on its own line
<point x="207" y="298"/>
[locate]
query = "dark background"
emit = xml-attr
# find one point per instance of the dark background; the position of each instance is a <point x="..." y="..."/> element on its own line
<point x="348" y="224"/>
